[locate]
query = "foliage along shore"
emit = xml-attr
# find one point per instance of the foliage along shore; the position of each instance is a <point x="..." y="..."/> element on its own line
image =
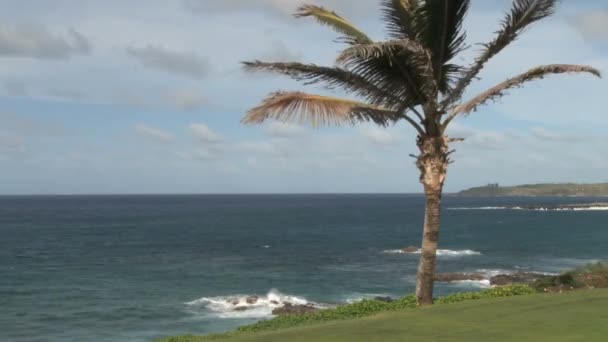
<point x="557" y="189"/>
<point x="586" y="277"/>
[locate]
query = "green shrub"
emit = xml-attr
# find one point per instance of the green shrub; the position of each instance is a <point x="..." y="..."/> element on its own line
<point x="567" y="279"/>
<point x="542" y="284"/>
<point x="496" y="292"/>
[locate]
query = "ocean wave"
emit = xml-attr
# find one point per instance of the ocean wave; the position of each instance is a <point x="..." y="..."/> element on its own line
<point x="440" y="252"/>
<point x="602" y="208"/>
<point x="480" y="208"/>
<point x="247" y="306"/>
<point x="489" y="273"/>
<point x="586" y="209"/>
<point x="485" y="283"/>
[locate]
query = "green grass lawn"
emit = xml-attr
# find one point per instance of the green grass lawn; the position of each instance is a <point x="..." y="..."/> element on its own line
<point x="574" y="316"/>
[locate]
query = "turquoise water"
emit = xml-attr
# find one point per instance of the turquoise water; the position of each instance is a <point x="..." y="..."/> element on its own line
<point x="134" y="268"/>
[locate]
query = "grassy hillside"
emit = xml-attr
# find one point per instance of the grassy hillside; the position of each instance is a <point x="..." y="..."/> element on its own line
<point x="571" y="316"/>
<point x="570" y="189"/>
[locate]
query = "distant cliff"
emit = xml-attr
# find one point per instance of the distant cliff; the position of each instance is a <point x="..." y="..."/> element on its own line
<point x="567" y="189"/>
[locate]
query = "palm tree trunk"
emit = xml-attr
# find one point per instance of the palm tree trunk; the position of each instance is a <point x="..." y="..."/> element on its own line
<point x="433" y="163"/>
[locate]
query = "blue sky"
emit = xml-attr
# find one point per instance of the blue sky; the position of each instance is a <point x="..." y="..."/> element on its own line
<point x="145" y="96"/>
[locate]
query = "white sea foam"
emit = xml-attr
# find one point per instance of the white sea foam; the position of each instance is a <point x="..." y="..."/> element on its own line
<point x="587" y="209"/>
<point x="478" y="208"/>
<point x="440" y="252"/>
<point x="489" y="273"/>
<point x="237" y="306"/>
<point x="591" y="208"/>
<point x="485" y="283"/>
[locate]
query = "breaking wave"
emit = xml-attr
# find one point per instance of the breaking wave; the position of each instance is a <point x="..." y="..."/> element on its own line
<point x="485" y="283"/>
<point x="440" y="252"/>
<point x="482" y="208"/>
<point x="247" y="306"/>
<point x="591" y="208"/>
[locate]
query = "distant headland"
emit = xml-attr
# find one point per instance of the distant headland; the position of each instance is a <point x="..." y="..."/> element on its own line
<point x="557" y="189"/>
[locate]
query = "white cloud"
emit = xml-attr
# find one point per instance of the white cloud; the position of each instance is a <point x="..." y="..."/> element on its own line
<point x="15" y="88"/>
<point x="592" y="25"/>
<point x="379" y="135"/>
<point x="161" y="99"/>
<point x="279" y="52"/>
<point x="187" y="100"/>
<point x="282" y="8"/>
<point x="199" y="154"/>
<point x="39" y="42"/>
<point x="188" y="64"/>
<point x="457" y="130"/>
<point x="284" y="130"/>
<point x="267" y="148"/>
<point x="479" y="139"/>
<point x="27" y="126"/>
<point x="204" y="133"/>
<point x="204" y="154"/>
<point x="154" y="133"/>
<point x="66" y="94"/>
<point x="553" y="136"/>
<point x="9" y="142"/>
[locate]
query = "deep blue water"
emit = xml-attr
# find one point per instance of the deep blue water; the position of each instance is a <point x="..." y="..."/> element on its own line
<point x="122" y="268"/>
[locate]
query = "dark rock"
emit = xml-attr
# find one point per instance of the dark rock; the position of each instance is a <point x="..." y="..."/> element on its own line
<point x="450" y="277"/>
<point x="252" y="299"/>
<point x="234" y="302"/>
<point x="384" y="299"/>
<point x="516" y="278"/>
<point x="274" y="302"/>
<point x="290" y="309"/>
<point x="410" y="249"/>
<point x="241" y="308"/>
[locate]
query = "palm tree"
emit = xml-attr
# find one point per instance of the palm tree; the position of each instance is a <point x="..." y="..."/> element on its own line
<point x="408" y="77"/>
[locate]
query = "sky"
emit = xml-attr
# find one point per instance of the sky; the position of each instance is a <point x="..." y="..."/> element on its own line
<point x="146" y="97"/>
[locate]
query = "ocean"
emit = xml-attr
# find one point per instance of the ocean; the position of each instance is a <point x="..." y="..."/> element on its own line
<point x="136" y="268"/>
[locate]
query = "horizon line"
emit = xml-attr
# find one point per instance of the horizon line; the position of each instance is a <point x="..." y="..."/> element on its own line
<point x="217" y="194"/>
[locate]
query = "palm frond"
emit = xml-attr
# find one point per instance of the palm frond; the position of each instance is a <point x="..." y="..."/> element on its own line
<point x="441" y="31"/>
<point x="409" y="58"/>
<point x="518" y="81"/>
<point x="389" y="76"/>
<point x="523" y="13"/>
<point x="332" y="77"/>
<point x="451" y="73"/>
<point x="400" y="18"/>
<point x="391" y="48"/>
<point x="329" y="18"/>
<point x="317" y="110"/>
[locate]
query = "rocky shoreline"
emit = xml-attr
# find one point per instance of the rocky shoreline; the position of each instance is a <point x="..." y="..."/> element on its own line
<point x="289" y="308"/>
<point x="496" y="280"/>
